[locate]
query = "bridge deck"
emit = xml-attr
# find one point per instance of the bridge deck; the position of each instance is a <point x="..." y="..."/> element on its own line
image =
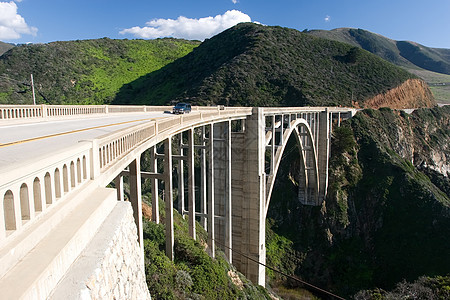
<point x="23" y="142"/>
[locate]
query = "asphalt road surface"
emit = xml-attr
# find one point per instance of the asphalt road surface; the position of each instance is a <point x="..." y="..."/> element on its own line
<point x="27" y="142"/>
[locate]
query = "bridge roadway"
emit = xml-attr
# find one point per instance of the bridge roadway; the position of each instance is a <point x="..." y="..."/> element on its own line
<point x="55" y="162"/>
<point x="20" y="143"/>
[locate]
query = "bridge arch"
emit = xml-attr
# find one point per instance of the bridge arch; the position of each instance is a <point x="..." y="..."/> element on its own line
<point x="309" y="187"/>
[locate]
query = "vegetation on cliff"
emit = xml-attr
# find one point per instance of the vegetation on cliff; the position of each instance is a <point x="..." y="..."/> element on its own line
<point x="423" y="288"/>
<point x="387" y="214"/>
<point x="255" y="65"/>
<point x="82" y="72"/>
<point x="193" y="274"/>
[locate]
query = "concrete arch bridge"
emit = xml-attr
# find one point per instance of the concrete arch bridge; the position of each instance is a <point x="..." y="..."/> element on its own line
<point x="56" y="161"/>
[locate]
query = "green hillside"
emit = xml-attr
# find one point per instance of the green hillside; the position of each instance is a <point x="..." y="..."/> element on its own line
<point x="82" y="72"/>
<point x="372" y="42"/>
<point x="403" y="53"/>
<point x="255" y="65"/>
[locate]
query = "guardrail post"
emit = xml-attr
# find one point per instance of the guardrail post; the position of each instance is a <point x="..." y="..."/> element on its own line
<point x="44" y="111"/>
<point x="95" y="160"/>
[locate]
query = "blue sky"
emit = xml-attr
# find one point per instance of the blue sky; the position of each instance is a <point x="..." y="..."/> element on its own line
<point x="42" y="21"/>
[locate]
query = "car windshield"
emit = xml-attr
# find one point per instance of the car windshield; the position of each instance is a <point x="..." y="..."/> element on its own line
<point x="181" y="105"/>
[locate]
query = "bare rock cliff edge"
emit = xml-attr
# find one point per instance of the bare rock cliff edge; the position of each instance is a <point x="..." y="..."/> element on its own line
<point x="413" y="93"/>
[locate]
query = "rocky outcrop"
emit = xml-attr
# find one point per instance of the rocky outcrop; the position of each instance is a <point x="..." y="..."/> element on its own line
<point x="413" y="93"/>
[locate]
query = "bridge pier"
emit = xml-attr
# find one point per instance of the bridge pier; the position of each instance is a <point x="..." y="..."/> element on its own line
<point x="222" y="185"/>
<point x="136" y="198"/>
<point x="168" y="198"/>
<point x="248" y="190"/>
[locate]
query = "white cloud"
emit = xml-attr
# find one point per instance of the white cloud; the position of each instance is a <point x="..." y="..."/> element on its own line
<point x="13" y="25"/>
<point x="234" y="1"/>
<point x="192" y="29"/>
<point x="327" y="19"/>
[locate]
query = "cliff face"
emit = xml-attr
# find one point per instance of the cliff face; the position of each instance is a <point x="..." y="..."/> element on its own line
<point x="413" y="93"/>
<point x="387" y="214"/>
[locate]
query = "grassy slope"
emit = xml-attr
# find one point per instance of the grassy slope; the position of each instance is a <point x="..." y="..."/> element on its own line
<point x="430" y="64"/>
<point x="439" y="84"/>
<point x="83" y="72"/>
<point x="384" y="220"/>
<point x="256" y="65"/>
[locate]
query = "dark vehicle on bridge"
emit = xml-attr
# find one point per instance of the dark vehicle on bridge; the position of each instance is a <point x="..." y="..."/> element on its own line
<point x="182" y="108"/>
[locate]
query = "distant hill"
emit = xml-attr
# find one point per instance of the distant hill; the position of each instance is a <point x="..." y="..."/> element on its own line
<point x="82" y="72"/>
<point x="255" y="65"/>
<point x="5" y="47"/>
<point x="403" y="53"/>
<point x="430" y="64"/>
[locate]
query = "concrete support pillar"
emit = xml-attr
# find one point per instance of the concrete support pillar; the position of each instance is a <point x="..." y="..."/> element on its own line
<point x="249" y="198"/>
<point x="154" y="185"/>
<point x="222" y="186"/>
<point x="228" y="195"/>
<point x="118" y="181"/>
<point x="191" y="183"/>
<point x="281" y="130"/>
<point x="272" y="151"/>
<point x="323" y="148"/>
<point x="168" y="197"/>
<point x="136" y="199"/>
<point x="203" y="181"/>
<point x="181" y="208"/>
<point x="211" y="204"/>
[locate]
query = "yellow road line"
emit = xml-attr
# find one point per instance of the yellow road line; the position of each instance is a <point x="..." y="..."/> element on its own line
<point x="69" y="132"/>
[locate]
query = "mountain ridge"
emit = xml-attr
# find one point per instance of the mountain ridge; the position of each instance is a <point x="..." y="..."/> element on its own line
<point x="257" y="65"/>
<point x="405" y="53"/>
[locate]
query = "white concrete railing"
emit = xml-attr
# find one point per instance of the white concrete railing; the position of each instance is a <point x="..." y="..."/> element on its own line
<point x="32" y="188"/>
<point x="43" y="111"/>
